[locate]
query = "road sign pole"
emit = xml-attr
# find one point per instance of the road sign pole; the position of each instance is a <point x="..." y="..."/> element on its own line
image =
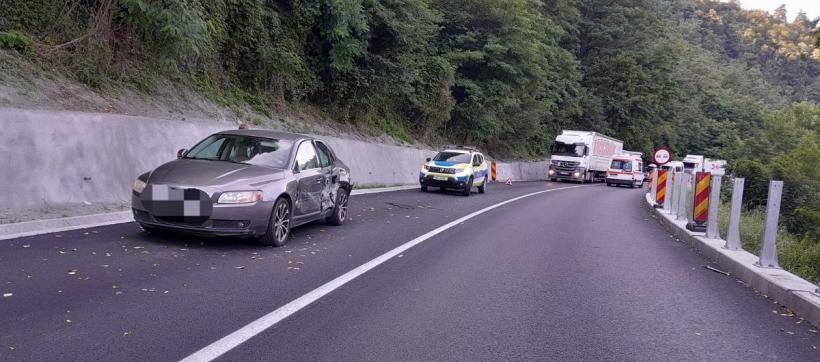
<point x="768" y="254"/>
<point x="733" y="234"/>
<point x="667" y="198"/>
<point x="712" y="231"/>
<point x="654" y="190"/>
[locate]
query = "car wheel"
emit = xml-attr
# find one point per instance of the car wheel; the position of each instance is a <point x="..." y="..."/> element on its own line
<point x="340" y="210"/>
<point x="468" y="187"/>
<point x="279" y="225"/>
<point x="553" y="179"/>
<point x="608" y="184"/>
<point x="424" y="189"/>
<point x="483" y="186"/>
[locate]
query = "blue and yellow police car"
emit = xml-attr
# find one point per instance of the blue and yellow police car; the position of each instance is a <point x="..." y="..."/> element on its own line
<point x="455" y="167"/>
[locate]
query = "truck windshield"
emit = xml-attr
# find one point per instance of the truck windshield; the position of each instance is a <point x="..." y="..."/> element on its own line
<point x="564" y="149"/>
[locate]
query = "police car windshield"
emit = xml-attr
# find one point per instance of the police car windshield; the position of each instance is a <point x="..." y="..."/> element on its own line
<point x="454" y="157"/>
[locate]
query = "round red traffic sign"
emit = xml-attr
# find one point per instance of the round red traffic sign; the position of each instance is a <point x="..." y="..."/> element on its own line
<point x="662" y="156"/>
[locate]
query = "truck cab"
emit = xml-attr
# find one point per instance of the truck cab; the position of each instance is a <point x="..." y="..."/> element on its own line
<point x="673" y="167"/>
<point x="693" y="163"/>
<point x="581" y="156"/>
<point x="626" y="169"/>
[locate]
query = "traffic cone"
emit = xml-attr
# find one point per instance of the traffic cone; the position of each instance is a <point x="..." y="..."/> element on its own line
<point x="509" y="182"/>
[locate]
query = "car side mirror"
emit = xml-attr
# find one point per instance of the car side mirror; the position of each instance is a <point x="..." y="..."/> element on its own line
<point x="181" y="152"/>
<point x="428" y="159"/>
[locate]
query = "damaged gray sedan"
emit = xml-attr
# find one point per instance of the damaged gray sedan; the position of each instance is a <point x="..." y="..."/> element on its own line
<point x="252" y="183"/>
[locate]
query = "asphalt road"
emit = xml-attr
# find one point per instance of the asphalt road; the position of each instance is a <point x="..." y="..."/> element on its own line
<point x="583" y="273"/>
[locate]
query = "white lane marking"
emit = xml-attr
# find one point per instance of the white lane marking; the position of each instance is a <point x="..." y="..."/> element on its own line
<point x="231" y="341"/>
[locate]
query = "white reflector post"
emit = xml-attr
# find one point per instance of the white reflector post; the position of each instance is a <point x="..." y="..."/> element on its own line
<point x="681" y="197"/>
<point x="768" y="254"/>
<point x="733" y="234"/>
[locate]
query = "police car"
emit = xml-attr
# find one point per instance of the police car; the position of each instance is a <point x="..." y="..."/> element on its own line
<point x="455" y="167"/>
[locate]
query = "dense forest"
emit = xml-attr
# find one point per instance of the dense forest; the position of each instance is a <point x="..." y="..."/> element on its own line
<point x="698" y="76"/>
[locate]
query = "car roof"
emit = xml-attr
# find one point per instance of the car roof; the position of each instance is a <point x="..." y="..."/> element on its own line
<point x="459" y="150"/>
<point x="267" y="134"/>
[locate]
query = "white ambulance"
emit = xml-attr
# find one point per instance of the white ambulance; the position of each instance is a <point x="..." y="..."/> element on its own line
<point x="626" y="169"/>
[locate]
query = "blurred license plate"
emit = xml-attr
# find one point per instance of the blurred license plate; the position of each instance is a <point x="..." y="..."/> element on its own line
<point x="563" y="173"/>
<point x="440" y="178"/>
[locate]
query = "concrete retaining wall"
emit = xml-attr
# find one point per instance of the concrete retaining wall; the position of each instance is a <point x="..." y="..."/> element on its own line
<point x="61" y="157"/>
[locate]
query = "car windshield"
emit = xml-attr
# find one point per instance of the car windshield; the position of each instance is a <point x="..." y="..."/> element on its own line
<point x="565" y="149"/>
<point x="454" y="157"/>
<point x="243" y="149"/>
<point x="621" y="165"/>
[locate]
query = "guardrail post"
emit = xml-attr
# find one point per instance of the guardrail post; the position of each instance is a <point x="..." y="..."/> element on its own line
<point x="733" y="234"/>
<point x="681" y="197"/>
<point x="672" y="193"/>
<point x="768" y="254"/>
<point x="712" y="230"/>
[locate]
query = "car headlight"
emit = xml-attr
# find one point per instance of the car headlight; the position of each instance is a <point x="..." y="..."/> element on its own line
<point x="551" y="172"/>
<point x="139" y="185"/>
<point x="576" y="174"/>
<point x="240" y="197"/>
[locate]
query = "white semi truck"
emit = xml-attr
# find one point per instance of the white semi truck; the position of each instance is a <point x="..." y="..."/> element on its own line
<point x="582" y="156"/>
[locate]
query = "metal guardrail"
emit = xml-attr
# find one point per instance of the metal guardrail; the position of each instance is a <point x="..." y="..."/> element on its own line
<point x="676" y="204"/>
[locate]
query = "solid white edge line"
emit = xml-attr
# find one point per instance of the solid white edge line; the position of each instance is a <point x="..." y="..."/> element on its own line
<point x="231" y="341"/>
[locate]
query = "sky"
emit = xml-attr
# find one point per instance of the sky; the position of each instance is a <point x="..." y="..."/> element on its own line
<point x="811" y="7"/>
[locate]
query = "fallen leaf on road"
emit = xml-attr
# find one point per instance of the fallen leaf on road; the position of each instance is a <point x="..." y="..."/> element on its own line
<point x="139" y="247"/>
<point x="6" y="295"/>
<point x="62" y="252"/>
<point x="26" y="246"/>
<point x="125" y="334"/>
<point x="107" y="254"/>
<point x="239" y="267"/>
<point x="698" y="333"/>
<point x="165" y="292"/>
<point x="115" y="287"/>
<point x="69" y="320"/>
<point x="72" y="272"/>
